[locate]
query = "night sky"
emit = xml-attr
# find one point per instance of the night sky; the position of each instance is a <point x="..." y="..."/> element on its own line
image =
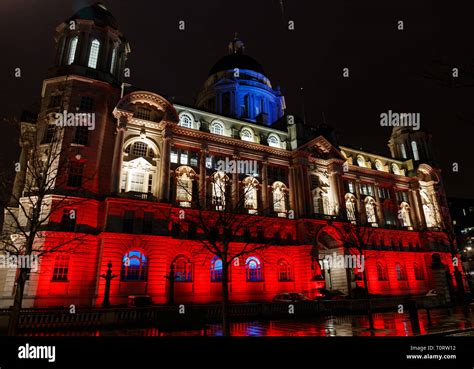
<point x="388" y="67"/>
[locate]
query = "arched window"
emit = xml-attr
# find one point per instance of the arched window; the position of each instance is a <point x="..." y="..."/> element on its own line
<point x="419" y="275"/>
<point x="401" y="272"/>
<point x="182" y="269"/>
<point x="219" y="183"/>
<point x="284" y="271"/>
<point x="381" y="272"/>
<point x="378" y="165"/>
<point x="246" y="135"/>
<point x="140" y="149"/>
<point x="94" y="54"/>
<point x="279" y="198"/>
<point x="216" y="269"/>
<point x="184" y="186"/>
<point x="414" y="148"/>
<point x="134" y="266"/>
<point x="403" y="151"/>
<point x="71" y="55"/>
<point x="250" y="194"/>
<point x="185" y="120"/>
<point x="113" y="60"/>
<point x="370" y="210"/>
<point x="217" y="128"/>
<point x="361" y="161"/>
<point x="142" y="113"/>
<point x="389" y="212"/>
<point x="351" y="208"/>
<point x="405" y="214"/>
<point x="395" y="169"/>
<point x="273" y="141"/>
<point x="253" y="269"/>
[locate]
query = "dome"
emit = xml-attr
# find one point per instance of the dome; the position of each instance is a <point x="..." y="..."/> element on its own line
<point x="97" y="13"/>
<point x="236" y="60"/>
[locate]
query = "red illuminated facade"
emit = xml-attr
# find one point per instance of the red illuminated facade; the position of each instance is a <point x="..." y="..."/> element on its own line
<point x="305" y="188"/>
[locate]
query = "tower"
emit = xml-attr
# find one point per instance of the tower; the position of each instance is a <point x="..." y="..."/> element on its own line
<point x="407" y="143"/>
<point x="238" y="87"/>
<point x="85" y="80"/>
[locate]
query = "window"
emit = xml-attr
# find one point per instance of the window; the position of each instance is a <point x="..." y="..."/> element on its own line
<point x="395" y="169"/>
<point x="402" y="196"/>
<point x="351" y="208"/>
<point x="250" y="194"/>
<point x="401" y="272"/>
<point x="366" y="189"/>
<point x="273" y="141"/>
<point x="81" y="136"/>
<point x="245" y="107"/>
<point x="123" y="182"/>
<point x="139" y="149"/>
<point x="150" y="183"/>
<point x="381" y="273"/>
<point x="414" y="148"/>
<point x="219" y="182"/>
<point x="174" y="156"/>
<point x="87" y="103"/>
<point x="186" y="121"/>
<point x="217" y="128"/>
<point x="50" y="134"/>
<point x="128" y="220"/>
<point x="253" y="269"/>
<point x="68" y="220"/>
<point x="284" y="271"/>
<point x="137" y="181"/>
<point x="184" y="186"/>
<point x="61" y="268"/>
<point x="182" y="269"/>
<point x="147" y="226"/>
<point x="183" y="159"/>
<point x="113" y="60"/>
<point x="279" y="198"/>
<point x="370" y="210"/>
<point x="54" y="101"/>
<point x="403" y="151"/>
<point x="142" y="113"/>
<point x="134" y="266"/>
<point x="246" y="135"/>
<point x="226" y="103"/>
<point x="378" y="165"/>
<point x="384" y="193"/>
<point x="419" y="275"/>
<point x="350" y="187"/>
<point x="72" y="50"/>
<point x="404" y="214"/>
<point x="94" y="54"/>
<point x="216" y="269"/>
<point x="75" y="174"/>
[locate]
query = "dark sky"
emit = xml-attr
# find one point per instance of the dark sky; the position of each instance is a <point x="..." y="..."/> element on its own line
<point x="387" y="66"/>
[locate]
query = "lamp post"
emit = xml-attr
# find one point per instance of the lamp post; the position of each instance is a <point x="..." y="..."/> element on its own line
<point x="108" y="276"/>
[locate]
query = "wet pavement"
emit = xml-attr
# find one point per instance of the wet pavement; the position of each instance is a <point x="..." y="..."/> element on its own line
<point x="449" y="321"/>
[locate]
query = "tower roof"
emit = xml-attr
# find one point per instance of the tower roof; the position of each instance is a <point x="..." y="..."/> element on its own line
<point x="97" y="13"/>
<point x="236" y="59"/>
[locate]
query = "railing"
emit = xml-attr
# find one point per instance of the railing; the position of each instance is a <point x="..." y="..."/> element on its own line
<point x="195" y="315"/>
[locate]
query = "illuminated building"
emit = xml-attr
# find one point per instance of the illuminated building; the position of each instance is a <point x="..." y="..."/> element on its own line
<point x="145" y="149"/>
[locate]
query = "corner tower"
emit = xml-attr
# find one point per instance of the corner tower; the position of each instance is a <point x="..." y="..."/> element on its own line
<point x="238" y="87"/>
<point x="407" y="143"/>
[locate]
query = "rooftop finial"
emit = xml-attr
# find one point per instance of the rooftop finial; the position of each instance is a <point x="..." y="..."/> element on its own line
<point x="236" y="46"/>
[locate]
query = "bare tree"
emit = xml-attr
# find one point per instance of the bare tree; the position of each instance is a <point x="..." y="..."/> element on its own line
<point x="226" y="225"/>
<point x="43" y="171"/>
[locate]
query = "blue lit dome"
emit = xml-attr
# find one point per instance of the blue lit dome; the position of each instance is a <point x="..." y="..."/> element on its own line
<point x="97" y="13"/>
<point x="237" y="87"/>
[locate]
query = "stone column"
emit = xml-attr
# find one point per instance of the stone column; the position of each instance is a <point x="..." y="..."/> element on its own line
<point x="379" y="205"/>
<point x="419" y="208"/>
<point x="292" y="189"/>
<point x="415" y="215"/>
<point x="202" y="178"/>
<point x="335" y="192"/>
<point x="267" y="207"/>
<point x="165" y="166"/>
<point x="359" y="200"/>
<point x="118" y="153"/>
<point x="235" y="193"/>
